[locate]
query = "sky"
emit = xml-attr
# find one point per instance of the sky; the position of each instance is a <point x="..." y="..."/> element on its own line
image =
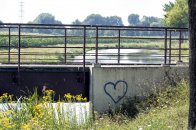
<point x="68" y="11"/>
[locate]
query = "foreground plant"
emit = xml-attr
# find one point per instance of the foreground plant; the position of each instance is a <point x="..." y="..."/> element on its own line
<point x="41" y="112"/>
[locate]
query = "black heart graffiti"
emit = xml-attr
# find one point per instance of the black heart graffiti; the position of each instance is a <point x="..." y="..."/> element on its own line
<point x="120" y="84"/>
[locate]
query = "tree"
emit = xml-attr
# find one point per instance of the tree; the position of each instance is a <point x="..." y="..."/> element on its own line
<point x="113" y="21"/>
<point x="147" y="21"/>
<point x="95" y="19"/>
<point x="46" y="18"/>
<point x="156" y="24"/>
<point x="76" y="22"/>
<point x="168" y="7"/>
<point x="176" y="13"/>
<point x="133" y="19"/>
<point x="1" y="23"/>
<point x="192" y="64"/>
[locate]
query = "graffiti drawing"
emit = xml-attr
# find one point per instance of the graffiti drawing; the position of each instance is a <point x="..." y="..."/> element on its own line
<point x="116" y="91"/>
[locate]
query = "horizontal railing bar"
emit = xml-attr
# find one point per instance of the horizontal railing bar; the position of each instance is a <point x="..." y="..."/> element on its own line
<point x="125" y="48"/>
<point x="23" y="24"/>
<point x="91" y="37"/>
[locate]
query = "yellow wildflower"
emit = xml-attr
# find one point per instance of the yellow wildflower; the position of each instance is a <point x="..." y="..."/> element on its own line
<point x="79" y="98"/>
<point x="5" y="95"/>
<point x="25" y="127"/>
<point x="85" y="99"/>
<point x="38" y="110"/>
<point x="68" y="96"/>
<point x="48" y="92"/>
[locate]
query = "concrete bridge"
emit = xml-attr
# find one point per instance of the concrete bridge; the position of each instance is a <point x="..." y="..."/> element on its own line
<point x="106" y="64"/>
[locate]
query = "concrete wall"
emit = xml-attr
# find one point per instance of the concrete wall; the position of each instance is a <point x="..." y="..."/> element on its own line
<point x="111" y="85"/>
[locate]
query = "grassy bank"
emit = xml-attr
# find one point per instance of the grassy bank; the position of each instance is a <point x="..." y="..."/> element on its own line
<point x="168" y="110"/>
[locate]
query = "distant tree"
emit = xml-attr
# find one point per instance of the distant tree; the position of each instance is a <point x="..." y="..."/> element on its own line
<point x="155" y="24"/>
<point x="113" y="21"/>
<point x="57" y="22"/>
<point x="95" y="19"/>
<point x="46" y="18"/>
<point x="147" y="21"/>
<point x="133" y="19"/>
<point x="77" y="22"/>
<point x="1" y="22"/>
<point x="176" y="13"/>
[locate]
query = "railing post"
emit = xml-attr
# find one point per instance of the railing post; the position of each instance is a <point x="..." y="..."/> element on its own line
<point x="170" y="47"/>
<point x="84" y="57"/>
<point x="65" y="45"/>
<point x="180" y="43"/>
<point x="84" y="47"/>
<point x="19" y="45"/>
<point x="9" y="44"/>
<point x="165" y="47"/>
<point x="118" y="46"/>
<point x="97" y="40"/>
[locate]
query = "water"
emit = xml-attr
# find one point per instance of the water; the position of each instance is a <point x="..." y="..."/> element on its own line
<point x="128" y="56"/>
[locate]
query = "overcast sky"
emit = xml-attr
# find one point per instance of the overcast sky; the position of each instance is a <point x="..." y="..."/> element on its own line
<point x="69" y="10"/>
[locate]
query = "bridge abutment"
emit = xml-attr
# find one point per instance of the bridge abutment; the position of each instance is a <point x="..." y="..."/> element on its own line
<point x="111" y="85"/>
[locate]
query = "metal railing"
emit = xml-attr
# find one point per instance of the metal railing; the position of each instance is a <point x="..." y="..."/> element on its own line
<point x="88" y="44"/>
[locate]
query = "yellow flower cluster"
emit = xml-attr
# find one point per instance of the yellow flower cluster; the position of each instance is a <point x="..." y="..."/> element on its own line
<point x="48" y="94"/>
<point x="6" y="97"/>
<point x="5" y="120"/>
<point x="25" y="127"/>
<point x="38" y="110"/>
<point x="77" y="98"/>
<point x="68" y="96"/>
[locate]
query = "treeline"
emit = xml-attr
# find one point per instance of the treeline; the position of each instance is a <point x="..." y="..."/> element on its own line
<point x="133" y="20"/>
<point x="97" y="19"/>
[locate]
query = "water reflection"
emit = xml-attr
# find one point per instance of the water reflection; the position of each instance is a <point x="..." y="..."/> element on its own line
<point x="129" y="56"/>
